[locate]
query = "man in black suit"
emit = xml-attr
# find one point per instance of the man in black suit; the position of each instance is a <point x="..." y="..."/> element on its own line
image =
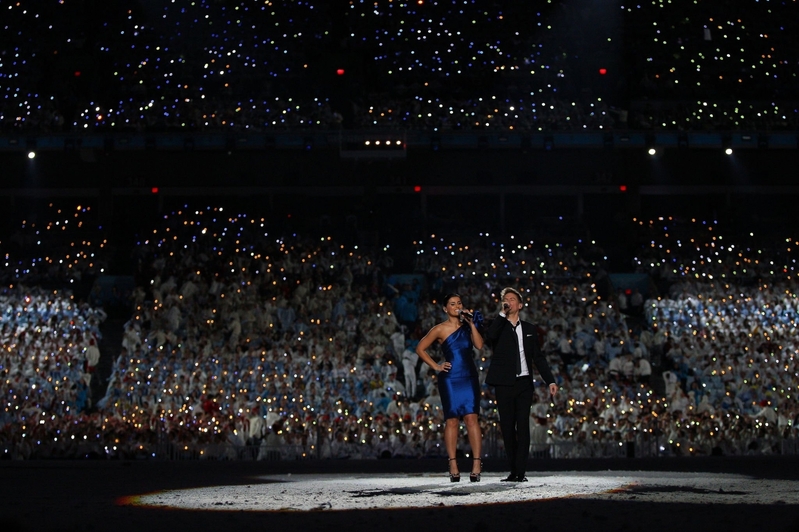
<point x="515" y="351"/>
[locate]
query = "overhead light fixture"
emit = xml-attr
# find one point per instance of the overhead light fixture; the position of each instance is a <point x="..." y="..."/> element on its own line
<point x="726" y="143"/>
<point x="650" y="144"/>
<point x="31" y="145"/>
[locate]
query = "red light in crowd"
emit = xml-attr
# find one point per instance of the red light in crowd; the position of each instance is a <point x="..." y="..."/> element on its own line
<point x="77" y="73"/>
<point x="340" y="71"/>
<point x="417" y="188"/>
<point x="623" y="188"/>
<point x="603" y="71"/>
<point x="154" y="190"/>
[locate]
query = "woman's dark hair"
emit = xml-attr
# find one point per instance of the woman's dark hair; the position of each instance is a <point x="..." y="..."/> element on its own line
<point x="450" y="296"/>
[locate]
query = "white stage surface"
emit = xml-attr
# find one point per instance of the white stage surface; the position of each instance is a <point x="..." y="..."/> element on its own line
<point x="304" y="493"/>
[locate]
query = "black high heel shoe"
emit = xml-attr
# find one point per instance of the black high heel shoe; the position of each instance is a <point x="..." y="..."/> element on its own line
<point x="475" y="477"/>
<point x="454" y="477"/>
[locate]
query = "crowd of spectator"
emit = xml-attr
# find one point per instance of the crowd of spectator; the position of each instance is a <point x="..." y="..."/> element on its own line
<point x="435" y="65"/>
<point x="725" y="325"/>
<point x="242" y="340"/>
<point x="47" y="361"/>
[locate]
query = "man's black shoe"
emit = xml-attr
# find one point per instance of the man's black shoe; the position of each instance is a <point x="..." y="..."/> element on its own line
<point x="520" y="478"/>
<point x="511" y="478"/>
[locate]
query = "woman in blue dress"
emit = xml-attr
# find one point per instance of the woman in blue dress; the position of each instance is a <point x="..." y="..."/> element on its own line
<point x="458" y="382"/>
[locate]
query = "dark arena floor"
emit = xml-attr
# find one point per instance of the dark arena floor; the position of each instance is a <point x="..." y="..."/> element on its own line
<point x="712" y="494"/>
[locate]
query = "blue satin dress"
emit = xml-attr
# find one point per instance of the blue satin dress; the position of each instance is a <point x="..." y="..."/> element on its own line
<point x="460" y="386"/>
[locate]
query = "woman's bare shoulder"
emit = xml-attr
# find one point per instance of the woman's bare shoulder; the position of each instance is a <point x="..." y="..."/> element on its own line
<point x="441" y="331"/>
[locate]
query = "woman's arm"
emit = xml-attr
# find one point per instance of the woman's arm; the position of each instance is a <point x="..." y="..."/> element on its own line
<point x="475" y="323"/>
<point x="426" y="342"/>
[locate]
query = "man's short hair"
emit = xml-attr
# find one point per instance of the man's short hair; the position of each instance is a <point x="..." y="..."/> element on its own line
<point x="511" y="290"/>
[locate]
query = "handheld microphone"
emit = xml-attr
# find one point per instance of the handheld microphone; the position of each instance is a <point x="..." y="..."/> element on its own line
<point x="505" y="307"/>
<point x="465" y="314"/>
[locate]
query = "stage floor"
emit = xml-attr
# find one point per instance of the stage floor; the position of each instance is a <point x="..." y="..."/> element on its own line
<point x="648" y="495"/>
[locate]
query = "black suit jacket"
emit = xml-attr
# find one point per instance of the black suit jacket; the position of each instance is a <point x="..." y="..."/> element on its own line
<point x="504" y="343"/>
